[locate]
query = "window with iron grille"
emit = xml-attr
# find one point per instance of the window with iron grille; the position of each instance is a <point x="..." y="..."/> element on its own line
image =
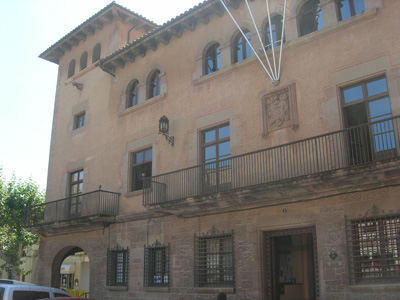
<point x="156" y="265"/>
<point x="117" y="266"/>
<point x="374" y="249"/>
<point x="214" y="260"/>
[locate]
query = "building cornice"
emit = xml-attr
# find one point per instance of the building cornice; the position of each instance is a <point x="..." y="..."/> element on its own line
<point x="93" y="24"/>
<point x="188" y="20"/>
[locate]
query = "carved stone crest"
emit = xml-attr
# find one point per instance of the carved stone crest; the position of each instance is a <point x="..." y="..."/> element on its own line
<point x="279" y="109"/>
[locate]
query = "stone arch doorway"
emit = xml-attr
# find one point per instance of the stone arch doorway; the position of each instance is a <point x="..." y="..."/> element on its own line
<point x="71" y="270"/>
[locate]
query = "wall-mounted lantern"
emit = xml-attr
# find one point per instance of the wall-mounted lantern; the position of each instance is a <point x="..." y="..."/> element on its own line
<point x="163" y="128"/>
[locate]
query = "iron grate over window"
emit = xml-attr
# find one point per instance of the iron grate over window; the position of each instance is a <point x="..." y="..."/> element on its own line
<point x="117" y="266"/>
<point x="156" y="265"/>
<point x="214" y="260"/>
<point x="374" y="249"/>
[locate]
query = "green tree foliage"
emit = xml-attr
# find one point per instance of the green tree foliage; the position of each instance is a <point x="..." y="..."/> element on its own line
<point x="14" y="196"/>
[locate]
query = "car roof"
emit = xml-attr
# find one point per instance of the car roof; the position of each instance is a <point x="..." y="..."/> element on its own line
<point x="12" y="281"/>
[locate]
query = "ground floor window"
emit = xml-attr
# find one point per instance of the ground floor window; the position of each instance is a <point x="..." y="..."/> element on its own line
<point x="117" y="267"/>
<point x="156" y="265"/>
<point x="374" y="249"/>
<point x="214" y="260"/>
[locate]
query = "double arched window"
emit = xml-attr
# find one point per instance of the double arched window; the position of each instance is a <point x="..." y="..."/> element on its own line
<point x="132" y="93"/>
<point x="241" y="49"/>
<point x="310" y="17"/>
<point x="212" y="59"/>
<point x="348" y="8"/>
<point x="276" y="30"/>
<point x="154" y="84"/>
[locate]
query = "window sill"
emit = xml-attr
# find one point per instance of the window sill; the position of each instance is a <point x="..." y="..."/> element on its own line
<point x="375" y="288"/>
<point x="140" y="106"/>
<point x="80" y="73"/>
<point x="134" y="193"/>
<point x="215" y="291"/>
<point x="156" y="289"/>
<point x="117" y="288"/>
<point x="78" y="130"/>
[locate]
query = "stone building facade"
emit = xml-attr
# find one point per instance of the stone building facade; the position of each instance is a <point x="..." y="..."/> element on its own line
<point x="259" y="189"/>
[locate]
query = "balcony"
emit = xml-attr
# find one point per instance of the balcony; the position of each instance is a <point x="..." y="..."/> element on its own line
<point x="94" y="209"/>
<point x="333" y="161"/>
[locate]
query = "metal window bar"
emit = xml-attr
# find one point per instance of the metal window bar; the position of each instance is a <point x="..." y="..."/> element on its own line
<point x="156" y="266"/>
<point x="117" y="267"/>
<point x="214" y="261"/>
<point x="374" y="248"/>
<point x="359" y="145"/>
<point x="96" y="203"/>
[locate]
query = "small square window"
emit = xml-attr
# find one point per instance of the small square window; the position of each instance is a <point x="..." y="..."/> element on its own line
<point x="79" y="120"/>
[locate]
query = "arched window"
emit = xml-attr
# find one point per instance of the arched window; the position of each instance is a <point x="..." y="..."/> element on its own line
<point x="310" y="17"/>
<point x="132" y="94"/>
<point x="71" y="68"/>
<point x="349" y="8"/>
<point x="241" y="48"/>
<point x="83" y="61"/>
<point x="276" y="30"/>
<point x="212" y="59"/>
<point x="96" y="53"/>
<point x="154" y="84"/>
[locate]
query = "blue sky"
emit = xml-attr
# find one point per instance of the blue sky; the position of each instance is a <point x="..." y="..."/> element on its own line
<point x="29" y="27"/>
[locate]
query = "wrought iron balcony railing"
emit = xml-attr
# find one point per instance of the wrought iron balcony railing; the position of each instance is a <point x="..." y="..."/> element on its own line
<point x="96" y="203"/>
<point x="353" y="146"/>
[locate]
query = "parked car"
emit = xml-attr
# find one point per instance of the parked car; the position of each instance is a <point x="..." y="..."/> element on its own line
<point x="66" y="299"/>
<point x="15" y="291"/>
<point x="12" y="281"/>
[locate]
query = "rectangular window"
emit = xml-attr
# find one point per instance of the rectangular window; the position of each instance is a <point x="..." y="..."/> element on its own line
<point x="156" y="266"/>
<point x="374" y="247"/>
<point x="216" y="151"/>
<point x="75" y="191"/>
<point x="117" y="267"/>
<point x="79" y="120"/>
<point x="141" y="168"/>
<point x="214" y="261"/>
<point x="349" y="8"/>
<point x="368" y="102"/>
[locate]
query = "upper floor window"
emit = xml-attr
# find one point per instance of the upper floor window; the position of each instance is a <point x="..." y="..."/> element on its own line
<point x="241" y="48"/>
<point x="141" y="168"/>
<point x="212" y="59"/>
<point x="96" y="53"/>
<point x="71" y="68"/>
<point x="83" y="61"/>
<point x="156" y="265"/>
<point x="349" y="8"/>
<point x="75" y="191"/>
<point x="154" y="84"/>
<point x="276" y="30"/>
<point x="79" y="120"/>
<point x="132" y="94"/>
<point x="117" y="267"/>
<point x="310" y="17"/>
<point x="368" y="102"/>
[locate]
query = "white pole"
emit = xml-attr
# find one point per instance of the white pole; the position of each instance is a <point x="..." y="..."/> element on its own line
<point x="272" y="39"/>
<point x="261" y="42"/>
<point x="244" y="36"/>
<point x="282" y="37"/>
